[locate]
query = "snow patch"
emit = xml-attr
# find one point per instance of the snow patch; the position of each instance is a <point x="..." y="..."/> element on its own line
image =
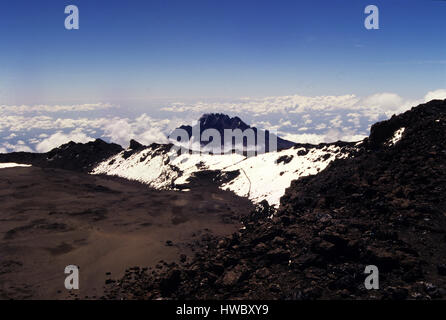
<point x="12" y="165"/>
<point x="145" y="166"/>
<point x="396" y="137"/>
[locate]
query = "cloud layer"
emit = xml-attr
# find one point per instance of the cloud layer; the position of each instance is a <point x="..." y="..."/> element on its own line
<point x="59" y="138"/>
<point x="375" y="105"/>
<point x="54" y="108"/>
<point x="298" y="118"/>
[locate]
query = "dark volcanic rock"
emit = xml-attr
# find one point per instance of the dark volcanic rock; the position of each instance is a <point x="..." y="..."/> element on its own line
<point x="70" y="156"/>
<point x="221" y="122"/>
<point x="385" y="207"/>
<point x="134" y="147"/>
<point x="170" y="283"/>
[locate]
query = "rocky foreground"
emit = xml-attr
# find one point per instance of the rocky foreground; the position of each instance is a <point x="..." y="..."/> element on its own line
<point x="384" y="207"/>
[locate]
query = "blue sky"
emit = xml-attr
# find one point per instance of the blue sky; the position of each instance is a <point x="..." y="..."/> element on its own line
<point x="146" y="55"/>
<point x="198" y="49"/>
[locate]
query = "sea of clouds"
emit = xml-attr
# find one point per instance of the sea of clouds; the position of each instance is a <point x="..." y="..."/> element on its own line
<point x="39" y="128"/>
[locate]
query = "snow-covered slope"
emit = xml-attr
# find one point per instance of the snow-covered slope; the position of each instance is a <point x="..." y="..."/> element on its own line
<point x="264" y="177"/>
<point x="267" y="176"/>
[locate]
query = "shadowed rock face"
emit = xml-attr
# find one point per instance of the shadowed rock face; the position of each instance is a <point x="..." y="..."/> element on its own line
<point x="217" y="121"/>
<point x="80" y="157"/>
<point x="417" y="120"/>
<point x="220" y="122"/>
<point x="384" y="207"/>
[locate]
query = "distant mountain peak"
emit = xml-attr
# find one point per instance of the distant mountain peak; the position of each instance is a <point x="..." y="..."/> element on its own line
<point x="222" y="122"/>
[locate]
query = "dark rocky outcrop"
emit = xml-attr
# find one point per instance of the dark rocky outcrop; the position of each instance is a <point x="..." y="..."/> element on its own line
<point x="80" y="157"/>
<point x="134" y="147"/>
<point x="221" y="122"/>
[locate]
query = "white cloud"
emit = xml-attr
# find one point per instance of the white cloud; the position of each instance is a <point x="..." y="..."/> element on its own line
<point x="372" y="107"/>
<point x="15" y="123"/>
<point x="348" y="135"/>
<point x="284" y="113"/>
<point x="143" y="129"/>
<point x="336" y="122"/>
<point x="285" y="123"/>
<point x="119" y="131"/>
<point x="383" y="100"/>
<point x="152" y="135"/>
<point x="436" y="94"/>
<point x="268" y="105"/>
<point x="22" y="148"/>
<point x="15" y="148"/>
<point x="11" y="136"/>
<point x="380" y="104"/>
<point x="355" y="119"/>
<point x="59" y="138"/>
<point x="304" y="138"/>
<point x="53" y="108"/>
<point x="331" y="135"/>
<point x="266" y="125"/>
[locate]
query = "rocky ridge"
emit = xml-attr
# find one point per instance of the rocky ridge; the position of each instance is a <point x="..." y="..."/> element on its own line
<point x="81" y="157"/>
<point x="384" y="207"/>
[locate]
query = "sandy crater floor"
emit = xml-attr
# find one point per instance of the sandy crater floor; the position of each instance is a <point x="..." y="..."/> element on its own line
<point x="53" y="218"/>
